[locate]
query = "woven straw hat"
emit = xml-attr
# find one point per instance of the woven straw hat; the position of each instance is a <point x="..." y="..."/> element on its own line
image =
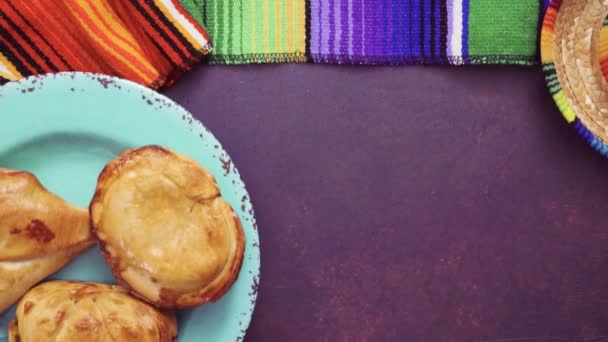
<point x="574" y="54"/>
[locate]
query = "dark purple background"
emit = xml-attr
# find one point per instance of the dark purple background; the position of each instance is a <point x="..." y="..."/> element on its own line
<point x="413" y="204"/>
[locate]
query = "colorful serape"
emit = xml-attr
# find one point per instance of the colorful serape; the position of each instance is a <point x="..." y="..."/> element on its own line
<point x="372" y="31"/>
<point x="253" y="31"/>
<point x="152" y="42"/>
<point x="148" y="41"/>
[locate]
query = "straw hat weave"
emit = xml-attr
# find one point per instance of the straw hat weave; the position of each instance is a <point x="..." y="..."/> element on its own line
<point x="574" y="57"/>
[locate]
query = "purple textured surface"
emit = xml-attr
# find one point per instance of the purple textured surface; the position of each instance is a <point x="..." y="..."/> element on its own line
<point x="413" y="204"/>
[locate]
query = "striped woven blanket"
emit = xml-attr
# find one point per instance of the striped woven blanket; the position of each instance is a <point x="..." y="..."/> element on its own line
<point x="372" y="31"/>
<point x="152" y="42"/>
<point x="148" y="41"/>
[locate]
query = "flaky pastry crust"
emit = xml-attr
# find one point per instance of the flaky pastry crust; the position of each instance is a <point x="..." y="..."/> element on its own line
<point x="66" y="311"/>
<point x="39" y="234"/>
<point x="164" y="228"/>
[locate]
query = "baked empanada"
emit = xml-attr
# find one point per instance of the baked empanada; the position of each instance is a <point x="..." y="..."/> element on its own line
<point x="164" y="228"/>
<point x="39" y="234"/>
<point x="66" y="311"/>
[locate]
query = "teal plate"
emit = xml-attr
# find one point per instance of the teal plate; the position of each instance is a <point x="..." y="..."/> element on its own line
<point x="65" y="127"/>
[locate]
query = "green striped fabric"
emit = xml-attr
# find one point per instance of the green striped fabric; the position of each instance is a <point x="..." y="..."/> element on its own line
<point x="503" y="28"/>
<point x="239" y="36"/>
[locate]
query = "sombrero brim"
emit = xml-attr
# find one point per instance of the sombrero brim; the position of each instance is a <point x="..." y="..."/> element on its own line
<point x="573" y="53"/>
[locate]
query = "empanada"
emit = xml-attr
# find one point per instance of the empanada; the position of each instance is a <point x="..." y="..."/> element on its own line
<point x="64" y="311"/>
<point x="164" y="228"/>
<point x="39" y="234"/>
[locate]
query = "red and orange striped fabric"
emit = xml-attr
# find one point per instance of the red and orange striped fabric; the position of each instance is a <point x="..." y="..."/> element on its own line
<point x="151" y="42"/>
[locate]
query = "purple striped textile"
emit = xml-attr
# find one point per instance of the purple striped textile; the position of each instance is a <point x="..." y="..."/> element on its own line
<point x="411" y="31"/>
<point x="379" y="32"/>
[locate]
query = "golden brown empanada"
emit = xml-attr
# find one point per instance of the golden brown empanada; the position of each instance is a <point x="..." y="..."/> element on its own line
<point x="66" y="311"/>
<point x="39" y="234"/>
<point x="164" y="228"/>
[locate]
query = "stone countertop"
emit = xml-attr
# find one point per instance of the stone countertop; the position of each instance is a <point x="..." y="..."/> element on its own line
<point x="414" y="203"/>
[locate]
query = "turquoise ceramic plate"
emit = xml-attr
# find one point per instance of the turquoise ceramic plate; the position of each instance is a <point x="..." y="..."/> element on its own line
<point x="65" y="127"/>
